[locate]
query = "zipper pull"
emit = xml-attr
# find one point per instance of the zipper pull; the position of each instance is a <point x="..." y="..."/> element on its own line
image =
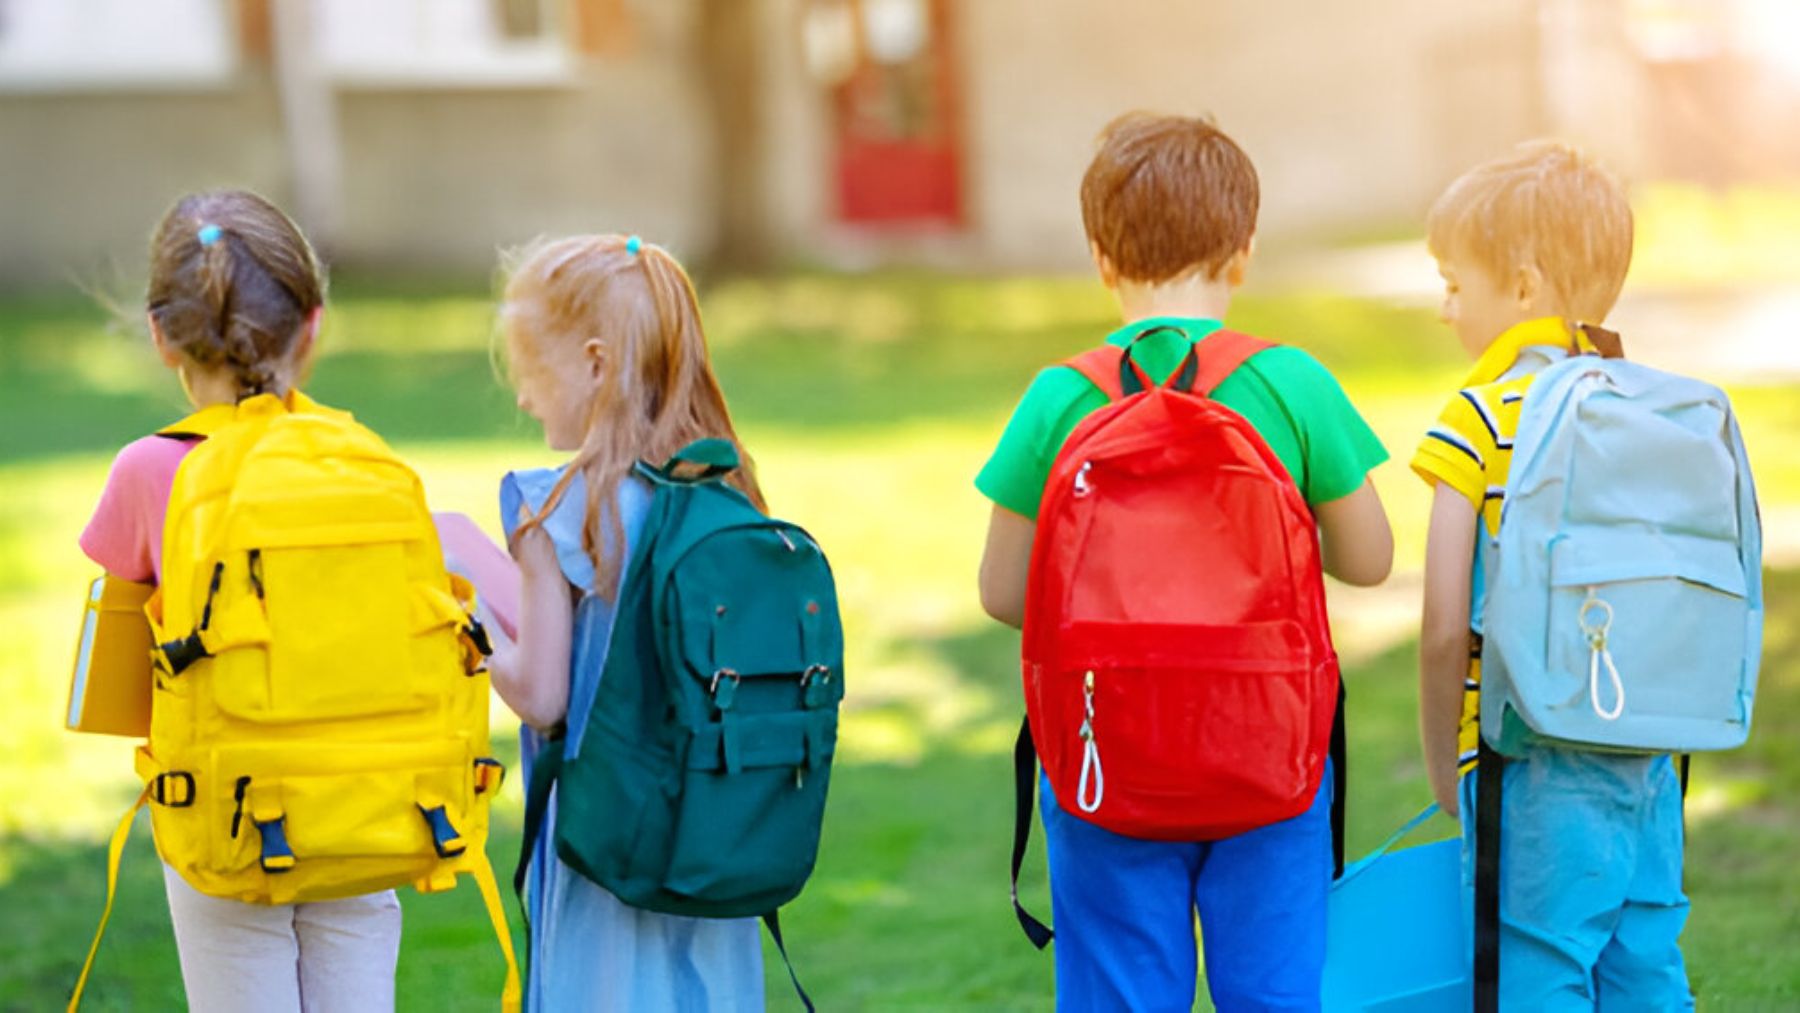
<point x="237" y="815"/>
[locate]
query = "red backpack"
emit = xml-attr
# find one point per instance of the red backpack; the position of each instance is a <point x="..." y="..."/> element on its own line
<point x="1180" y="682"/>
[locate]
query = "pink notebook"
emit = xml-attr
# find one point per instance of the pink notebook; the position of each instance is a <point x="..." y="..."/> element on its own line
<point x="470" y="552"/>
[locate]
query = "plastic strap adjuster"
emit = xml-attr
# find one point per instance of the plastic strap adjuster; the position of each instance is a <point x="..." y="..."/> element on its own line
<point x="162" y="789"/>
<point x="276" y="855"/>
<point x="178" y="655"/>
<point x="478" y="635"/>
<point x="490" y="774"/>
<point x="444" y="836"/>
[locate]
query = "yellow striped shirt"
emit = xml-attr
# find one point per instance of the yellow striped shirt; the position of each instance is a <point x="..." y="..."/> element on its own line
<point x="1470" y="449"/>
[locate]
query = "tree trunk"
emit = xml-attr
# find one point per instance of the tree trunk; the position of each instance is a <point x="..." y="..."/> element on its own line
<point x="731" y="60"/>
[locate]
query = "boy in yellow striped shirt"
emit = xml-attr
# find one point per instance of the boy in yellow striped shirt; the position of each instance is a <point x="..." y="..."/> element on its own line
<point x="1533" y="249"/>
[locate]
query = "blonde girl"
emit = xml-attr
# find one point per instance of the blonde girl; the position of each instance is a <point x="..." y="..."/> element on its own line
<point x="605" y="349"/>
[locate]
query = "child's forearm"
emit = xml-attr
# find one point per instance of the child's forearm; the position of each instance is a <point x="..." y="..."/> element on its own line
<point x="1444" y="637"/>
<point x="539" y="699"/>
<point x="532" y="673"/>
<point x="1443" y="665"/>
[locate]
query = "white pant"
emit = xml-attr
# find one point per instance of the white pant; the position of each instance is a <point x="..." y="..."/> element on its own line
<point x="320" y="957"/>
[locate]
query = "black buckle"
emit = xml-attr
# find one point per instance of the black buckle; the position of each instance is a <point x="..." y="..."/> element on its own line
<point x="180" y="654"/>
<point x="162" y="795"/>
<point x="478" y="636"/>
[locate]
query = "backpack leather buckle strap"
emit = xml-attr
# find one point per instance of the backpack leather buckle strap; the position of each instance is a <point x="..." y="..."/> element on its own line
<point x="815" y="686"/>
<point x="724" y="688"/>
<point x="172" y="788"/>
<point x="444" y="836"/>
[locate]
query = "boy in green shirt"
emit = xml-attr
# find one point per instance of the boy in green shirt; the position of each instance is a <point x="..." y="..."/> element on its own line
<point x="1170" y="207"/>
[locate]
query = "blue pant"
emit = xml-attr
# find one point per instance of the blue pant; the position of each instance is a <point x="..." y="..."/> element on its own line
<point x="1591" y="905"/>
<point x="1124" y="912"/>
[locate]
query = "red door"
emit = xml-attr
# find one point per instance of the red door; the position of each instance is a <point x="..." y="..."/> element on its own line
<point x="898" y="159"/>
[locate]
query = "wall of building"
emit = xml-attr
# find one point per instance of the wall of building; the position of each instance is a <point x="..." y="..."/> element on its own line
<point x="85" y="175"/>
<point x="432" y="179"/>
<point x="1353" y="122"/>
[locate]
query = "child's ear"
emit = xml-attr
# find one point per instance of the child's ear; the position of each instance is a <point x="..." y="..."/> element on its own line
<point x="593" y="353"/>
<point x="309" y="337"/>
<point x="1109" y="274"/>
<point x="1529" y="283"/>
<point x="1238" y="267"/>
<point x="169" y="354"/>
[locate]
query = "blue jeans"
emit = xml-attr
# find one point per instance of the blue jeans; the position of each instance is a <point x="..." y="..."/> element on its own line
<point x="1591" y="906"/>
<point x="1124" y="913"/>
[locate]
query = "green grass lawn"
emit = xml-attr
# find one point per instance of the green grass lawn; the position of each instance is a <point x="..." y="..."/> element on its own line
<point x="869" y="404"/>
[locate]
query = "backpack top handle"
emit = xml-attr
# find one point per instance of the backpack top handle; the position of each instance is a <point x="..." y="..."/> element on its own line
<point x="1133" y="379"/>
<point x="713" y="456"/>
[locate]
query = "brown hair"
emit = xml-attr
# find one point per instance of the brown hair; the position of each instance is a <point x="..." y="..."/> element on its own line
<point x="232" y="282"/>
<point x="1165" y="195"/>
<point x="1545" y="205"/>
<point x="657" y="392"/>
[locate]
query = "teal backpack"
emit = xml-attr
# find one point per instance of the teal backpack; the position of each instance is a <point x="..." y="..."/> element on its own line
<point x="699" y="786"/>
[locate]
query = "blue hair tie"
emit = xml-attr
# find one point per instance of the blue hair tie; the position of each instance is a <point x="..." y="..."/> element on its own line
<point x="209" y="234"/>
<point x="633" y="244"/>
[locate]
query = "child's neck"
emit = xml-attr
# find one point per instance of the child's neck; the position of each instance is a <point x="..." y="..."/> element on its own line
<point x="1194" y="296"/>
<point x="206" y="388"/>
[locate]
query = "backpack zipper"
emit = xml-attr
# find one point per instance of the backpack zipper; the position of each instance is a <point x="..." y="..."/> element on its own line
<point x="237" y="815"/>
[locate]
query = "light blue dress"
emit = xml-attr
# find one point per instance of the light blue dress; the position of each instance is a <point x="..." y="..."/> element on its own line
<point x="589" y="950"/>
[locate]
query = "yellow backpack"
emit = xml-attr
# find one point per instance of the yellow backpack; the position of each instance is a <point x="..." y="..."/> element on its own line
<point x="320" y="718"/>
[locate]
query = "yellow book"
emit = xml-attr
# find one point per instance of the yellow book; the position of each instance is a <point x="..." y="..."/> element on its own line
<point x="110" y="691"/>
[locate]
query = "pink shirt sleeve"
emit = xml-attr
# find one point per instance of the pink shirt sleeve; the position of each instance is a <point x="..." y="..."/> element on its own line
<point x="125" y="534"/>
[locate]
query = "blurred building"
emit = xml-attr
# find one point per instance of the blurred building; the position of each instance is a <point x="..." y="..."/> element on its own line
<point x="417" y="136"/>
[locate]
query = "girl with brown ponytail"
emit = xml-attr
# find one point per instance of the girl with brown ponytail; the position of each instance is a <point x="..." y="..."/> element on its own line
<point x="605" y="349"/>
<point x="234" y="303"/>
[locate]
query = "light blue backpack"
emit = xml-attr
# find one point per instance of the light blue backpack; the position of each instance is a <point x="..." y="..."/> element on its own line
<point x="1623" y="607"/>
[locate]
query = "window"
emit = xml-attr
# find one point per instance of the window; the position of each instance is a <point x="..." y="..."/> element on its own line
<point x="449" y="43"/>
<point x="53" y="45"/>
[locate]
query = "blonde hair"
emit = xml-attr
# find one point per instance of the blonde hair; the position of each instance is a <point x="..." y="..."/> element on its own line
<point x="656" y="392"/>
<point x="1546" y="205"/>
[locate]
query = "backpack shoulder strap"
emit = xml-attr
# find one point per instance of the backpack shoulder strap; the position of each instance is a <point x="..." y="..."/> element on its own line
<point x="1221" y="353"/>
<point x="1100" y="367"/>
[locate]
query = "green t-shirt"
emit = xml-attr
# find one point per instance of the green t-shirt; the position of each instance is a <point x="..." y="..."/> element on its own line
<point x="1294" y="403"/>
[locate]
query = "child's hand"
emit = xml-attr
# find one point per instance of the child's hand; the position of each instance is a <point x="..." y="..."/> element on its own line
<point x="1444" y="790"/>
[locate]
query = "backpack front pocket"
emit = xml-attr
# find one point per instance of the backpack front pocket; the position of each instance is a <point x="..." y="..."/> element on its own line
<point x="378" y="815"/>
<point x="340" y="621"/>
<point x="1646" y="640"/>
<point x="1184" y="731"/>
<point x="752" y="803"/>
